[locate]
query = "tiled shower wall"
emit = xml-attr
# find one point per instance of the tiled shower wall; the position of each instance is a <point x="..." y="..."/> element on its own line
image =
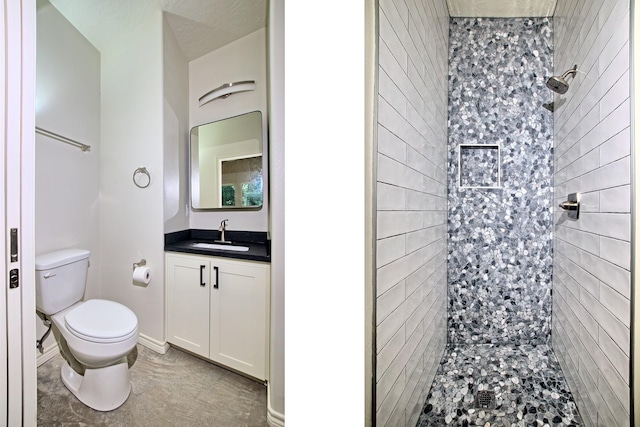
<point x="411" y="280"/>
<point x="500" y="244"/>
<point x="592" y="286"/>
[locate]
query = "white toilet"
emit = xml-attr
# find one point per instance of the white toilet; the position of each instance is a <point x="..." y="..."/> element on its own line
<point x="99" y="333"/>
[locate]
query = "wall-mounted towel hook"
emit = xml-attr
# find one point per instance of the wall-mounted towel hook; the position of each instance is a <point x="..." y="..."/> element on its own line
<point x="143" y="171"/>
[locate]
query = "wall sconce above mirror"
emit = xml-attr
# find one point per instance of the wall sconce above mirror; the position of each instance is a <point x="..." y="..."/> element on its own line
<point x="227" y="163"/>
<point x="226" y="90"/>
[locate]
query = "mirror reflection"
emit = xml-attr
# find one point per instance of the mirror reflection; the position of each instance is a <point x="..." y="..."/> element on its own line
<point x="226" y="163"/>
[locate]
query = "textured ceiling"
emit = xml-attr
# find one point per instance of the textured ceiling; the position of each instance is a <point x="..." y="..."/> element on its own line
<point x="501" y="8"/>
<point x="199" y="25"/>
<point x="205" y="25"/>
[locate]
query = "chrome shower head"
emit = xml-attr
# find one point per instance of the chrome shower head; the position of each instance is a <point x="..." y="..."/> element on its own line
<point x="558" y="84"/>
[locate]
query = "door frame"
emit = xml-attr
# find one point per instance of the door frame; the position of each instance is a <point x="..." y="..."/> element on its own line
<point x="17" y="178"/>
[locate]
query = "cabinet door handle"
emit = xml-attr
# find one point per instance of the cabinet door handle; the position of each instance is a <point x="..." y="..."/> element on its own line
<point x="216" y="284"/>
<point x="202" y="267"/>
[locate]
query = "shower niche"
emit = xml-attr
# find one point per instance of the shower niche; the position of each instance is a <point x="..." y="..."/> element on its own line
<point x="479" y="166"/>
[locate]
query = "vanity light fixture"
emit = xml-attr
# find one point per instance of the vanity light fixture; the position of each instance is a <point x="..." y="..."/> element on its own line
<point x="226" y="90"/>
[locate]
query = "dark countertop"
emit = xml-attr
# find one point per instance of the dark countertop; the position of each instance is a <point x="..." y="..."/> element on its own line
<point x="257" y="241"/>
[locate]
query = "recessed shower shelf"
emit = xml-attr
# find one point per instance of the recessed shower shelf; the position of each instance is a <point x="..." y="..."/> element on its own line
<point x="479" y="166"/>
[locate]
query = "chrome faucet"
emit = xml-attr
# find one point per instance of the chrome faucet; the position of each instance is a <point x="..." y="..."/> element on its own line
<point x="222" y="229"/>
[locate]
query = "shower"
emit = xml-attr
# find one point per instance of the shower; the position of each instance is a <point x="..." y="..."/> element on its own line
<point x="559" y="84"/>
<point x="486" y="301"/>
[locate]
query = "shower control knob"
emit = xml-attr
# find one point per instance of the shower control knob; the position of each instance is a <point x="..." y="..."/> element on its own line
<point x="569" y="206"/>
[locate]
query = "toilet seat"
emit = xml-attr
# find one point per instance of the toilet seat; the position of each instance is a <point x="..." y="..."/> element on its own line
<point x="101" y="321"/>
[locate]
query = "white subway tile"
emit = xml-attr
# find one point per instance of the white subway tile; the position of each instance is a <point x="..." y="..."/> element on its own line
<point x="584" y="164"/>
<point x="389" y="275"/>
<point x="413" y="302"/>
<point x="611" y="125"/>
<point x="587" y="281"/>
<point x="392" y="94"/>
<point x="395" y="173"/>
<point x="615" y="97"/>
<point x="618" y="359"/>
<point x="389" y="327"/>
<point x="392" y="27"/>
<point x="617" y="304"/>
<point x="418" y="201"/>
<point x="387" y="398"/>
<point x="616" y="277"/>
<point x="389" y="249"/>
<point x="615" y="328"/>
<point x="390" y="197"/>
<point x="396" y="370"/>
<point x="617" y="199"/>
<point x="397" y="124"/>
<point x="389" y="65"/>
<point x="390" y="301"/>
<point x="618" y="147"/>
<point x="612" y="225"/>
<point x="619" y="409"/>
<point x="421" y="163"/>
<point x="392" y="223"/>
<point x="611" y="175"/>
<point x="391" y="146"/>
<point x="389" y="353"/>
<point x="616" y="251"/>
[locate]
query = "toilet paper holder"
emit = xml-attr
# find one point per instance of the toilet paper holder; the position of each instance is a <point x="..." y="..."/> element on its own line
<point x="139" y="263"/>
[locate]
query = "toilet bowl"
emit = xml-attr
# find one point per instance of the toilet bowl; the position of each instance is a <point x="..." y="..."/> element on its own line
<point x="101" y="349"/>
<point x="96" y="335"/>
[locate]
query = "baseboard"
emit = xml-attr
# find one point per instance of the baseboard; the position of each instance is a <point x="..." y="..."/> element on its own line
<point x="274" y="418"/>
<point x="151" y="344"/>
<point x="48" y="354"/>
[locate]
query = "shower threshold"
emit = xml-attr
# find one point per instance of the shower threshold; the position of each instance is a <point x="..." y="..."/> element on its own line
<point x="525" y="381"/>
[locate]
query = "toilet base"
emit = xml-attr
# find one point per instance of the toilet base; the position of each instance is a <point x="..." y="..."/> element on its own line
<point x="103" y="389"/>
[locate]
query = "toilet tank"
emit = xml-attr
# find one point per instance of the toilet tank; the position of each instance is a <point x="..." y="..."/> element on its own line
<point x="61" y="277"/>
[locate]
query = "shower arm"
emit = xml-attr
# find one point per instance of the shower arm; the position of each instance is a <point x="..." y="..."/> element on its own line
<point x="573" y="71"/>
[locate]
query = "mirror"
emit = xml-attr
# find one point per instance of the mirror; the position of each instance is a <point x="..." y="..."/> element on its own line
<point x="227" y="164"/>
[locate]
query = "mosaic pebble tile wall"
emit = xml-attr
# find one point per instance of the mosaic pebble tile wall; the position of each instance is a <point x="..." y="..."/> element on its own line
<point x="500" y="241"/>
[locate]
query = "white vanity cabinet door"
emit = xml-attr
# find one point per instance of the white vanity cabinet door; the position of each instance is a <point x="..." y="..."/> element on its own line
<point x="240" y="315"/>
<point x="188" y="302"/>
<point x="218" y="308"/>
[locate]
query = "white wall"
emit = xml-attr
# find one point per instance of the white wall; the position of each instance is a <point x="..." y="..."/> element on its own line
<point x="131" y="220"/>
<point x="411" y="282"/>
<point x="276" y="403"/>
<point x="67" y="179"/>
<point x="175" y="133"/>
<point x="591" y="277"/>
<point x="635" y="20"/>
<point x="244" y="59"/>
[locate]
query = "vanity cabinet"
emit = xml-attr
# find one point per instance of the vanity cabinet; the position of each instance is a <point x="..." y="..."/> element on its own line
<point x="218" y="308"/>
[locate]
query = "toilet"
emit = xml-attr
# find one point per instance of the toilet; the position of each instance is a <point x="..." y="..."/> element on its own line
<point x="98" y="333"/>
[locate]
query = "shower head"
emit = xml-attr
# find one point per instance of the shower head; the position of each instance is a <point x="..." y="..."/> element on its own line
<point x="558" y="84"/>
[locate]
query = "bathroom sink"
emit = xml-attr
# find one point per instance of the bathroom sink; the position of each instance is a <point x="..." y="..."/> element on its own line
<point x="220" y="247"/>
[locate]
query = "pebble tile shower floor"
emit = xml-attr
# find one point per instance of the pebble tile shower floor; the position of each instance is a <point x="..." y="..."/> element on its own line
<point x="530" y="389"/>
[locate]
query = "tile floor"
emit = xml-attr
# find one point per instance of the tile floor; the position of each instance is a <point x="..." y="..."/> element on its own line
<point x="174" y="389"/>
<point x="530" y="389"/>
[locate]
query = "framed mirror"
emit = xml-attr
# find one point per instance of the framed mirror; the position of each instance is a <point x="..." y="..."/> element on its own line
<point x="227" y="164"/>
